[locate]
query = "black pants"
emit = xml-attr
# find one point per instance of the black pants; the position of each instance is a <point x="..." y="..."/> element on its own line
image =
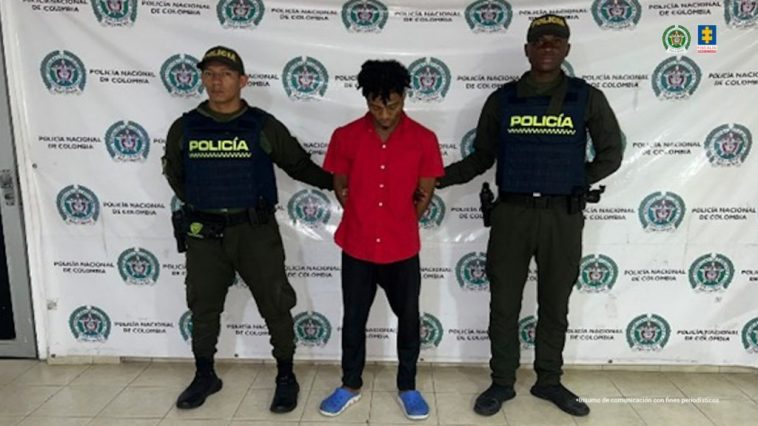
<point x="257" y="254"/>
<point x="554" y="238"/>
<point x="401" y="282"/>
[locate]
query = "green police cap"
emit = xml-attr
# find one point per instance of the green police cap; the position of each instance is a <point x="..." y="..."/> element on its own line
<point x="548" y="25"/>
<point x="223" y="55"/>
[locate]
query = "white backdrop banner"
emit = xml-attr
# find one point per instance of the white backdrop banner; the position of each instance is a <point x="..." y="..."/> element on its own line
<point x="670" y="267"/>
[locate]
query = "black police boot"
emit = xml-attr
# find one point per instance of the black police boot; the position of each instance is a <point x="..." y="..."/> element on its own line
<point x="562" y="397"/>
<point x="203" y="385"/>
<point x="287" y="389"/>
<point x="490" y="401"/>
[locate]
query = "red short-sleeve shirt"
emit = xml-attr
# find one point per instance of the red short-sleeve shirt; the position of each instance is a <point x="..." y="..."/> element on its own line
<point x="379" y="223"/>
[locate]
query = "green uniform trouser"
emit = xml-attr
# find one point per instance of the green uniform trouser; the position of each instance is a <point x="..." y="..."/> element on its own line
<point x="257" y="253"/>
<point x="554" y="238"/>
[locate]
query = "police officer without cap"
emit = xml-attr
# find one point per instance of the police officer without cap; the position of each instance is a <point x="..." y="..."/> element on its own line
<point x="536" y="129"/>
<point x="219" y="161"/>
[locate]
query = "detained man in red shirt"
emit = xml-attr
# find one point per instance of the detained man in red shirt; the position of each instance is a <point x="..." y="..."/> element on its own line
<point x="380" y="161"/>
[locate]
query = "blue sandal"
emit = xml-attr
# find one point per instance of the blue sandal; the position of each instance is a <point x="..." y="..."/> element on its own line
<point x="338" y="402"/>
<point x="413" y="404"/>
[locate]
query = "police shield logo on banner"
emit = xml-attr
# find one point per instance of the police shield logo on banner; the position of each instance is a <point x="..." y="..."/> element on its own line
<point x="430" y="80"/>
<point x="78" y="205"/>
<point x="181" y="77"/>
<point x="127" y="141"/>
<point x="89" y="324"/>
<point x="728" y="145"/>
<point x="489" y="16"/>
<point x="431" y="331"/>
<point x="568" y="69"/>
<point x="138" y="266"/>
<point x="434" y="214"/>
<point x="597" y="274"/>
<point x="240" y="14"/>
<point x="711" y="273"/>
<point x="309" y="207"/>
<point x="741" y="13"/>
<point x="185" y="326"/>
<point x="115" y="13"/>
<point x="312" y="329"/>
<point x="676" y="78"/>
<point x="676" y="39"/>
<point x="63" y="73"/>
<point x="750" y="336"/>
<point x="364" y="16"/>
<point x="616" y="14"/>
<point x="527" y="332"/>
<point x="467" y="143"/>
<point x="176" y="203"/>
<point x="471" y="272"/>
<point x="305" y="78"/>
<point x="661" y="211"/>
<point x="648" y="333"/>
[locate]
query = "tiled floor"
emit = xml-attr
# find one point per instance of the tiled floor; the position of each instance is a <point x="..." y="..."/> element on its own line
<point x="143" y="393"/>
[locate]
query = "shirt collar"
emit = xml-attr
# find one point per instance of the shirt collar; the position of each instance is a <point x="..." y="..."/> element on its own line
<point x="527" y="85"/>
<point x="205" y="110"/>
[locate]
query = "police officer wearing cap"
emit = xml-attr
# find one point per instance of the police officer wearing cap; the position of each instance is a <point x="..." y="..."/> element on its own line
<point x="536" y="129"/>
<point x="219" y="161"/>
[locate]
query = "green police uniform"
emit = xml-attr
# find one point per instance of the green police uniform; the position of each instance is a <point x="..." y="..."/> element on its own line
<point x="254" y="250"/>
<point x="544" y="229"/>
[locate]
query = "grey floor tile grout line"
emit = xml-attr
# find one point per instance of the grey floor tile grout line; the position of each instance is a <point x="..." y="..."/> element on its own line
<point x="61" y="387"/>
<point x="371" y="405"/>
<point x="675" y="385"/>
<point x="687" y="396"/>
<point x="137" y="376"/>
<point x="434" y="395"/>
<point x="31" y="365"/>
<point x="371" y="401"/>
<point x="111" y="401"/>
<point x="740" y="389"/>
<point x="713" y="422"/>
<point x="247" y="391"/>
<point x="310" y="393"/>
<point x="639" y="416"/>
<point x="311" y="385"/>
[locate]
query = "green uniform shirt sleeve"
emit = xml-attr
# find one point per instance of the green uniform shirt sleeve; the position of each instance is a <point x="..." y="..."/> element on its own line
<point x="485" y="146"/>
<point x="287" y="153"/>
<point x="173" y="166"/>
<point x="606" y="137"/>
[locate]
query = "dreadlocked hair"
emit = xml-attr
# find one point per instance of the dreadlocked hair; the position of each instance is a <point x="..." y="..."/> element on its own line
<point x="381" y="78"/>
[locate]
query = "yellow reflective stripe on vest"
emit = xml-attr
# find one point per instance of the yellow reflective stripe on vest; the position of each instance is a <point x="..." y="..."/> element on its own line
<point x="541" y="125"/>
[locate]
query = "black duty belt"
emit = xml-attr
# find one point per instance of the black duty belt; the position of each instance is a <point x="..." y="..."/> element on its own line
<point x="227" y="219"/>
<point x="535" y="201"/>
